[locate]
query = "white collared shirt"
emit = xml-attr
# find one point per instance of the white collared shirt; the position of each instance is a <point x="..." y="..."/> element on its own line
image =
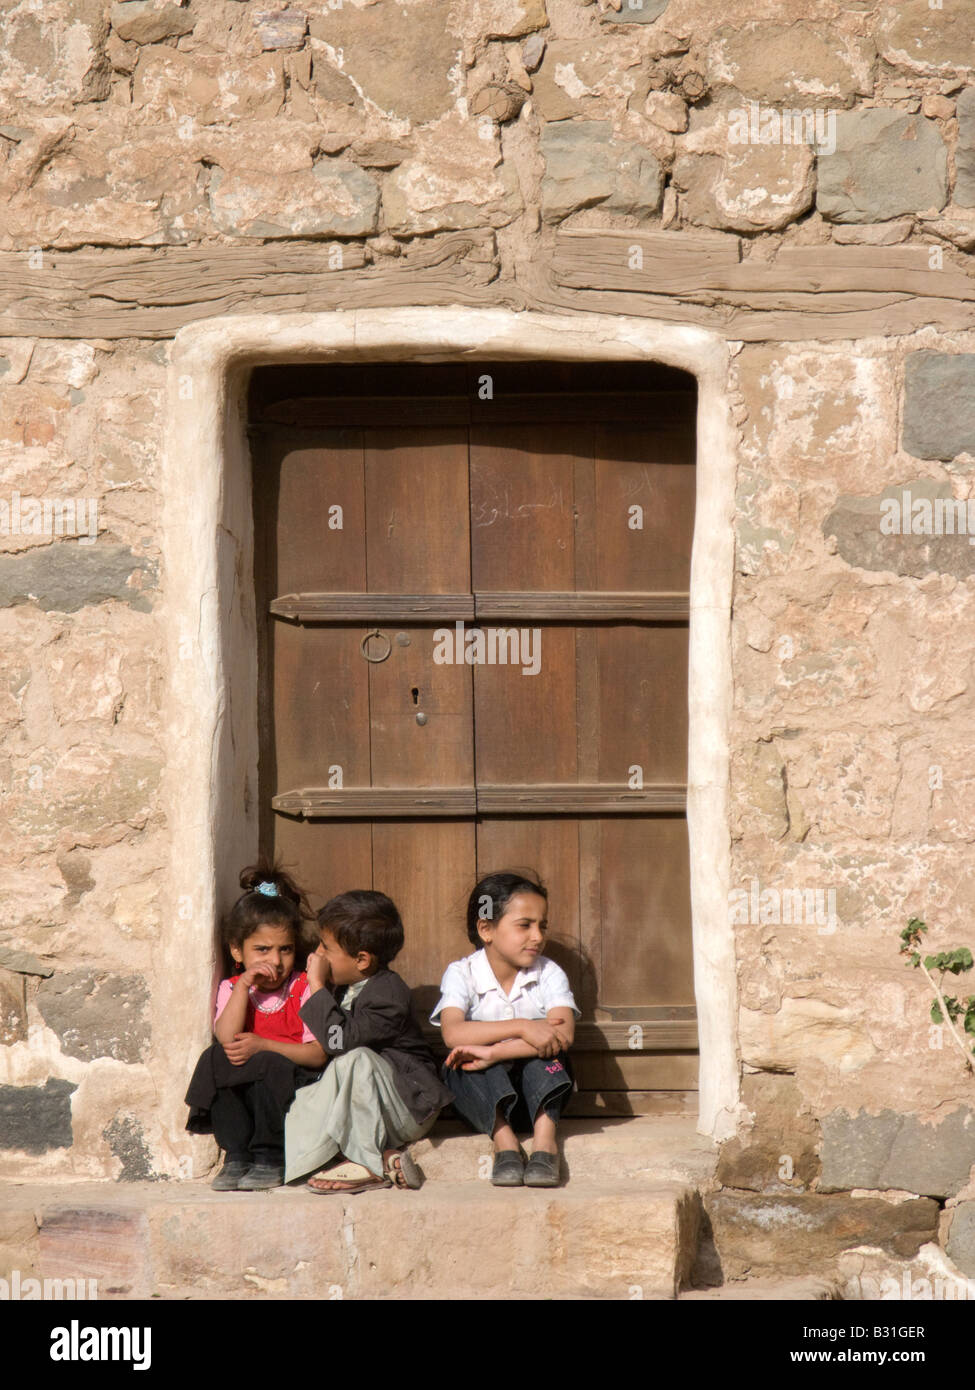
<point x="470" y="984"/>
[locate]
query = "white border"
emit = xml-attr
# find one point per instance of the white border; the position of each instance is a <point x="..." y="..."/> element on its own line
<point x="210" y="784"/>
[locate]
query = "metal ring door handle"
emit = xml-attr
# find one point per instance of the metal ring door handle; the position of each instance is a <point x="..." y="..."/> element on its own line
<point x="375" y="633"/>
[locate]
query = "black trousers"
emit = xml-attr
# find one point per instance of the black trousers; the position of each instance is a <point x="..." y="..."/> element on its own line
<point x="244" y="1107"/>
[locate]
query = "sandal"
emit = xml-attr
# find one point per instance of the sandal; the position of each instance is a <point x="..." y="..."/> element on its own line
<point x="542" y="1170"/>
<point x="351" y="1177"/>
<point x="397" y="1163"/>
<point x="509" y="1169"/>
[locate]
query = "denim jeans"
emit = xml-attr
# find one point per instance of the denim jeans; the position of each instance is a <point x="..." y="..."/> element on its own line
<point x="519" y="1088"/>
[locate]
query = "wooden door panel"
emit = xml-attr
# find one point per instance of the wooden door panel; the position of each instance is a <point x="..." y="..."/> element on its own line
<point x="525" y="725"/>
<point x="645" y="913"/>
<point x="642" y="677"/>
<point x="417" y="510"/>
<point x="321" y="699"/>
<point x="326" y="857"/>
<point x="522" y="499"/>
<point x="438" y="753"/>
<point x="311" y="554"/>
<point x="638" y="467"/>
<point x="427" y="868"/>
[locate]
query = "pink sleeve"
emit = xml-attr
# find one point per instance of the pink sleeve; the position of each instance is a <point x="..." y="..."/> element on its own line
<point x="223" y="995"/>
<point x="307" y="1036"/>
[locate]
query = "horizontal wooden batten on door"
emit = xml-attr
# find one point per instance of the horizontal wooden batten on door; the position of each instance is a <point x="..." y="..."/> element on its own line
<point x="666" y="412"/>
<point x="525" y="606"/>
<point x="554" y="798"/>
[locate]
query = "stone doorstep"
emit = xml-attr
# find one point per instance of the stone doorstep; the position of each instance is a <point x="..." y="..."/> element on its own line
<point x="800" y="1289"/>
<point x="449" y="1240"/>
<point x="652" y="1148"/>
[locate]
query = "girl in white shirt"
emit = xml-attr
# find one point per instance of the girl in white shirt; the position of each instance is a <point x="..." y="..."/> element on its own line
<point x="508" y="1017"/>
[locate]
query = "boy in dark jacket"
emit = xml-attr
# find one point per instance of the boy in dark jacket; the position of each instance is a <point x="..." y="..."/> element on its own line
<point x="380" y="1090"/>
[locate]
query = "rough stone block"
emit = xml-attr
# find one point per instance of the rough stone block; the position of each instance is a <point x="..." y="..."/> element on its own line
<point x="927" y="38"/>
<point x="96" y="1014"/>
<point x="36" y="1118"/>
<point x="965" y="149"/>
<point x="939" y="404"/>
<point x="961" y="1237"/>
<point x="100" y="1243"/>
<point x="803" y="1229"/>
<point x="754" y="1160"/>
<point x="65" y="576"/>
<point x="281" y="28"/>
<point x="169" y="83"/>
<point x="54" y="58"/>
<point x="885" y="164"/>
<point x="331" y="84"/>
<point x="125" y="1137"/>
<point x="100" y="794"/>
<point x="142" y="21"/>
<point x="807" y="64"/>
<point x="399" y="56"/>
<point x="636" y="12"/>
<point x="750" y="188"/>
<point x="455" y="180"/>
<point x="800" y="1029"/>
<point x="503" y="19"/>
<point x="861" y="526"/>
<point x="24" y="962"/>
<point x="330" y="199"/>
<point x="13" y="1008"/>
<point x="895" y="1151"/>
<point x="586" y="167"/>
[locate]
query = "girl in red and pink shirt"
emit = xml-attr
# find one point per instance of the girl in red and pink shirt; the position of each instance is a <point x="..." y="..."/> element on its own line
<point x="243" y="1084"/>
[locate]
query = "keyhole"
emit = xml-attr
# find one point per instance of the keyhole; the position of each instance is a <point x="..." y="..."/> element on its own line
<point x="415" y="692"/>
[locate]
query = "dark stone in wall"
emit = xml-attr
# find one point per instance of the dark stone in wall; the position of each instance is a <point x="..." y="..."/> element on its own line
<point x="856" y="524"/>
<point x="961" y="1238"/>
<point x="126" y="1140"/>
<point x="891" y="1150"/>
<point x="636" y="12"/>
<point x="779" y="1137"/>
<point x="65" y="576"/>
<point x="36" y="1118"/>
<point x="773" y="1233"/>
<point x="96" y="1014"/>
<point x="939" y="404"/>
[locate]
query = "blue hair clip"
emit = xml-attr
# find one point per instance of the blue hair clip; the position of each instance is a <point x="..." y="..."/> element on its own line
<point x="270" y="890"/>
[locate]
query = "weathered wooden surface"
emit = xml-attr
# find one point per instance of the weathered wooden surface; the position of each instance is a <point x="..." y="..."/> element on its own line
<point x="827" y="292"/>
<point x="807" y="292"/>
<point x="153" y="293"/>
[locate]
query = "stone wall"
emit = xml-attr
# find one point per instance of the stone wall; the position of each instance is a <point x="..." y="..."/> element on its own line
<point x="376" y="133"/>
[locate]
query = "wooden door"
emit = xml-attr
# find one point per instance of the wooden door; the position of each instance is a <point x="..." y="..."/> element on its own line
<point x="550" y="509"/>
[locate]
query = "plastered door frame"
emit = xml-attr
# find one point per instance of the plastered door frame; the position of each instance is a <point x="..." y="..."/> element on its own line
<point x="210" y="782"/>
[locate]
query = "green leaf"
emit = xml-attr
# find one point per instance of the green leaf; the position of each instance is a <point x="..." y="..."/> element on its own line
<point x="936" y="1013"/>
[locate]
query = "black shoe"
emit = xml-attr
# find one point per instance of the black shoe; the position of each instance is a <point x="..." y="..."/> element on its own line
<point x="542" y="1170"/>
<point x="230" y="1175"/>
<point x="508" y="1170"/>
<point x="262" y="1177"/>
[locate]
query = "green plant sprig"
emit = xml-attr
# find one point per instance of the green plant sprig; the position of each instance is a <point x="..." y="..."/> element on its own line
<point x="946" y="1009"/>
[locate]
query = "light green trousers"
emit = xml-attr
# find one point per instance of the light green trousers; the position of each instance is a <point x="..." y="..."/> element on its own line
<point x="354" y="1110"/>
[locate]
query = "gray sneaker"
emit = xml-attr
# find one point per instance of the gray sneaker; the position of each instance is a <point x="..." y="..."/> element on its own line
<point x="230" y="1176"/>
<point x="262" y="1177"/>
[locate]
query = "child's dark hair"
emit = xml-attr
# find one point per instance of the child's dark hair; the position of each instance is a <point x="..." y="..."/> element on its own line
<point x="492" y="895"/>
<point x="362" y="920"/>
<point x="271" y="898"/>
